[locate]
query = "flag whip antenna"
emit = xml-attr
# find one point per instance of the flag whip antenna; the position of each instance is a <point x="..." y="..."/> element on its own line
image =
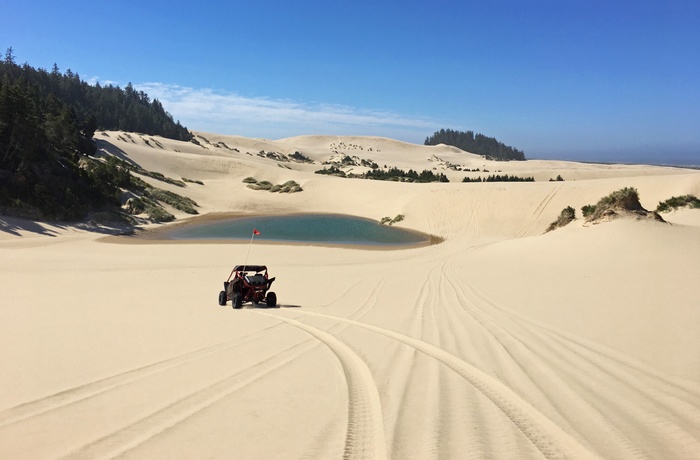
<point x="250" y="245"/>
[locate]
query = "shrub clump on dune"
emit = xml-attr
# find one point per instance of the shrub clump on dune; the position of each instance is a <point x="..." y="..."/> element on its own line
<point x="568" y="215"/>
<point x="179" y="202"/>
<point x="288" y="187"/>
<point x="623" y="202"/>
<point x="389" y="221"/>
<point x="620" y="202"/>
<point x="143" y="204"/>
<point x="262" y="185"/>
<point x="588" y="210"/>
<point x="684" y="201"/>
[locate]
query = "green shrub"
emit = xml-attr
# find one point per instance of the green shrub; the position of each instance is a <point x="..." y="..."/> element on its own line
<point x="389" y="221"/>
<point x="588" y="210"/>
<point x="158" y="214"/>
<point x="290" y="187"/>
<point x="566" y="216"/>
<point x="143" y="204"/>
<point x="250" y="180"/>
<point x="262" y="185"/>
<point x="298" y="156"/>
<point x="626" y="198"/>
<point x="676" y="202"/>
<point x="332" y="171"/>
<point x="135" y="205"/>
<point x="181" y="203"/>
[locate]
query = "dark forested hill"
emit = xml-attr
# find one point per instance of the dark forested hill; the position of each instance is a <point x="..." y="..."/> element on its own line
<point x="47" y="121"/>
<point x="113" y="108"/>
<point x="475" y="143"/>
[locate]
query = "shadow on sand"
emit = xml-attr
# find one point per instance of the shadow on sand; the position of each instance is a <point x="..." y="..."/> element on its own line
<point x="114" y="150"/>
<point x="262" y="306"/>
<point x="14" y="226"/>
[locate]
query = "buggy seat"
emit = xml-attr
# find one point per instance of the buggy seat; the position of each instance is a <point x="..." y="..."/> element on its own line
<point x="256" y="280"/>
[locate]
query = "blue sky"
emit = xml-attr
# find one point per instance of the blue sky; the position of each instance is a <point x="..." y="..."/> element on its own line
<point x="591" y="80"/>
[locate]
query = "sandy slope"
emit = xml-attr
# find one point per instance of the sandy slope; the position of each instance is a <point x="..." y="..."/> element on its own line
<point x="501" y="342"/>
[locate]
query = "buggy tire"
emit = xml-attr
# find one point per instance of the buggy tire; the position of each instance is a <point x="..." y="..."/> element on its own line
<point x="237" y="300"/>
<point x="271" y="299"/>
<point x="222" y="298"/>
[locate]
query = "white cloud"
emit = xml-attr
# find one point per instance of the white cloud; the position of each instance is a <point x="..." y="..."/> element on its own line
<point x="230" y="113"/>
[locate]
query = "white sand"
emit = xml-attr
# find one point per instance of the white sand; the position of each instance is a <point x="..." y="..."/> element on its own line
<point x="500" y="342"/>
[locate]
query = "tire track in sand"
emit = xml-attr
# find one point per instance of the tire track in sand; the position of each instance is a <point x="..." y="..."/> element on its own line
<point x="530" y="224"/>
<point x="538" y="369"/>
<point x="663" y="412"/>
<point x="139" y="432"/>
<point x="546" y="436"/>
<point x="97" y="387"/>
<point x="365" y="434"/>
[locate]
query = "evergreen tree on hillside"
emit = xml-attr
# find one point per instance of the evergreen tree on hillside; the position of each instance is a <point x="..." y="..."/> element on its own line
<point x="112" y="107"/>
<point x="475" y="143"/>
<point x="47" y="121"/>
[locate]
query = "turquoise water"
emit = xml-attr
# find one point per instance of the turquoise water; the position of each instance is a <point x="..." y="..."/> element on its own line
<point x="307" y="228"/>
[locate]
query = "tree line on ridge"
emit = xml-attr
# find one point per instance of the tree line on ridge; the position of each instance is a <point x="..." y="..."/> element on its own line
<point x="479" y="144"/>
<point x="47" y="122"/>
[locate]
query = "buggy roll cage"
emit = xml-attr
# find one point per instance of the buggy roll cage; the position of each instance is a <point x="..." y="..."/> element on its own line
<point x="241" y="270"/>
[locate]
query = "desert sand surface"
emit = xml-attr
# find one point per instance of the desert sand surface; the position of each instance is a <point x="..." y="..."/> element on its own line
<point x="501" y="342"/>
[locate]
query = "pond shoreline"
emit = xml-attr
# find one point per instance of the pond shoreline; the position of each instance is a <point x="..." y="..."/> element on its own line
<point x="163" y="233"/>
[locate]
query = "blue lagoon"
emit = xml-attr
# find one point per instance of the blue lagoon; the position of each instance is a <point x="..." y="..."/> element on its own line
<point x="326" y="229"/>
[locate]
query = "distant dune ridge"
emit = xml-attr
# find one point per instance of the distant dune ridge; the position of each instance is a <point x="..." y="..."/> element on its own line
<point x="502" y="341"/>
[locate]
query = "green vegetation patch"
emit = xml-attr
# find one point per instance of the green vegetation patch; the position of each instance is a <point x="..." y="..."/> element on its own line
<point x="389" y="174"/>
<point x="288" y="187"/>
<point x="262" y="185"/>
<point x="588" y="210"/>
<point x="179" y="202"/>
<point x="567" y="215"/>
<point x="143" y="204"/>
<point x="396" y="174"/>
<point x="160" y="177"/>
<point x="300" y="157"/>
<point x="332" y="171"/>
<point x="623" y="200"/>
<point x="499" y="178"/>
<point x="684" y="201"/>
<point x="389" y="221"/>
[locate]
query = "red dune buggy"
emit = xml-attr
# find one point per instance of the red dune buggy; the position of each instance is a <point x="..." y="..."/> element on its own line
<point x="248" y="283"/>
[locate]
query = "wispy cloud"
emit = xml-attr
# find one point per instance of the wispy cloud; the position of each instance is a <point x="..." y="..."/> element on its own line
<point x="231" y="113"/>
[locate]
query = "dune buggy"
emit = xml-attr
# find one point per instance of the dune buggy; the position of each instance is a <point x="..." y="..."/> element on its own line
<point x="248" y="283"/>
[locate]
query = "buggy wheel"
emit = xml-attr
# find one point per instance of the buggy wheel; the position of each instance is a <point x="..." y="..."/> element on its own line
<point x="222" y="298"/>
<point x="237" y="300"/>
<point x="271" y="299"/>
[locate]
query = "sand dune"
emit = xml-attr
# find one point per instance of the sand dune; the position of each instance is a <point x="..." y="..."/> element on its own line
<point x="500" y="342"/>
